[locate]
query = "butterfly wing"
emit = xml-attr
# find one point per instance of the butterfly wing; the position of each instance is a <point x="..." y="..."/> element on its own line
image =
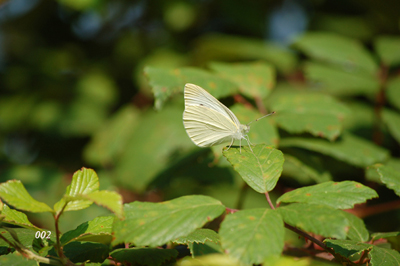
<point x="195" y="96"/>
<point x="207" y="127"/>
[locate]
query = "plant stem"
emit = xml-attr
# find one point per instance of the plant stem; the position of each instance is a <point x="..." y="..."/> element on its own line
<point x="269" y="200"/>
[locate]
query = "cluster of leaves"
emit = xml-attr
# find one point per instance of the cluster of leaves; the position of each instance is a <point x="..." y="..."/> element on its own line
<point x="253" y="235"/>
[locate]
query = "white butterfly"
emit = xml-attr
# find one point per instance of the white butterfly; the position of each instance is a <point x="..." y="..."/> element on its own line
<point x="208" y="122"/>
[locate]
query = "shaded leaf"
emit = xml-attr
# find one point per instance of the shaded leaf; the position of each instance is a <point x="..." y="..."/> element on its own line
<point x="304" y="167"/>
<point x="199" y="236"/>
<point x="149" y="223"/>
<point x="15" y="194"/>
<point x="257" y="234"/>
<point x="318" y="219"/>
<point x="349" y="148"/>
<point x="357" y="230"/>
<point x="393" y="92"/>
<point x="318" y="114"/>
<point x="109" y="142"/>
<point x="347" y="248"/>
<point x="376" y="236"/>
<point x="260" y="168"/>
<point x="84" y="182"/>
<point x="253" y="79"/>
<point x="336" y="49"/>
<point x="198" y="249"/>
<point x="392" y="120"/>
<point x="388" y="50"/>
<point x="384" y="257"/>
<point x="389" y="176"/>
<point x="341" y="82"/>
<point x="167" y="82"/>
<point x="79" y="252"/>
<point x="338" y="195"/>
<point x="144" y="256"/>
<point x="152" y="148"/>
<point x="97" y="230"/>
<point x="209" y="260"/>
<point x="218" y="47"/>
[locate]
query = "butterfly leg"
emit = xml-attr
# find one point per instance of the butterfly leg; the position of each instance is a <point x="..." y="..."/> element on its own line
<point x="248" y="142"/>
<point x="230" y="145"/>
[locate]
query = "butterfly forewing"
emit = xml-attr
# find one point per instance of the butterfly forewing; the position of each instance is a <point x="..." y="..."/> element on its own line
<point x="207" y="127"/>
<point x="195" y="95"/>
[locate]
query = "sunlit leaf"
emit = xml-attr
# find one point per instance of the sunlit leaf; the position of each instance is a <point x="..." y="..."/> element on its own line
<point x="349" y="148"/>
<point x="148" y="224"/>
<point x="357" y="229"/>
<point x="384" y="256"/>
<point x="253" y="79"/>
<point x="252" y="235"/>
<point x="338" y="195"/>
<point x="318" y="219"/>
<point x="199" y="236"/>
<point x="17" y="218"/>
<point x="318" y="114"/>
<point x="15" y="194"/>
<point x="260" y="167"/>
<point x="84" y="181"/>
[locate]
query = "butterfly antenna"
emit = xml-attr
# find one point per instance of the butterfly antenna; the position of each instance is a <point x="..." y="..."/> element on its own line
<point x="261" y="117"/>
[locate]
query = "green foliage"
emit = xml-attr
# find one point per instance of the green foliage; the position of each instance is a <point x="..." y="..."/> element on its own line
<point x="325" y="166"/>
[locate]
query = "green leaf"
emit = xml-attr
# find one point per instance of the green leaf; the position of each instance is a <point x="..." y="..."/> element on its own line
<point x="14" y="192"/>
<point x="218" y="47"/>
<point x="393" y="92"/>
<point x="152" y="148"/>
<point x="252" y="235"/>
<point x="263" y="131"/>
<point x="209" y="260"/>
<point x="338" y="195"/>
<point x="144" y="256"/>
<point x="340" y="82"/>
<point x="198" y="249"/>
<point x="79" y="252"/>
<point x="108" y="199"/>
<point x="84" y="182"/>
<point x="336" y="49"/>
<point x="25" y="237"/>
<point x="372" y="175"/>
<point x="389" y="176"/>
<point x="357" y="229"/>
<point x="15" y="259"/>
<point x="199" y="236"/>
<point x="318" y="219"/>
<point x="388" y="50"/>
<point x="347" y="248"/>
<point x="17" y="218"/>
<point x="376" y="236"/>
<point x="150" y="223"/>
<point x="392" y="120"/>
<point x="167" y="82"/>
<point x="318" y="114"/>
<point x="109" y="142"/>
<point x="97" y="230"/>
<point x="260" y="168"/>
<point x="254" y="79"/>
<point x="384" y="256"/>
<point x="349" y="148"/>
<point x="304" y="167"/>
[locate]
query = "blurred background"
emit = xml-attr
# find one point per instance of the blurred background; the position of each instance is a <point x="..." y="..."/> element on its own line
<point x="73" y="91"/>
